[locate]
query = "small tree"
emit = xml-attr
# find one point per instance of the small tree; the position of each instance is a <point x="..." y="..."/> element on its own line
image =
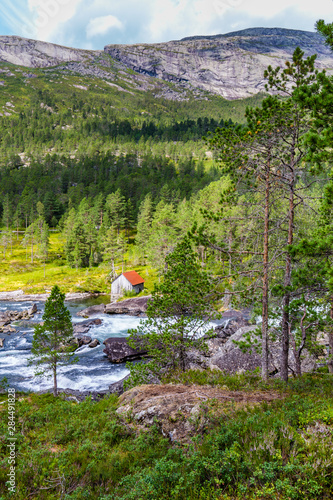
<point x="178" y="315"/>
<point x="50" y="342"/>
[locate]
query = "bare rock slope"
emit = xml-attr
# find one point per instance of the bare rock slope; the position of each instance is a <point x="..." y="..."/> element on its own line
<point x="37" y="54"/>
<point x="231" y="65"/>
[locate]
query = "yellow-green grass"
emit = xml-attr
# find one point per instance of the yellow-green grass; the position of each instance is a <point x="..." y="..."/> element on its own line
<point x="17" y="272"/>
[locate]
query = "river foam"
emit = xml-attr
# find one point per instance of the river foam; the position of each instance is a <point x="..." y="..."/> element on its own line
<point x="92" y="372"/>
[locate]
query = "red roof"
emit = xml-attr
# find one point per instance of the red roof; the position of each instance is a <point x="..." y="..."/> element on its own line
<point x="133" y="277"/>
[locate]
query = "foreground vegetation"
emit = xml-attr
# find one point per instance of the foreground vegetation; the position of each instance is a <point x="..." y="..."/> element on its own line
<point x="281" y="450"/>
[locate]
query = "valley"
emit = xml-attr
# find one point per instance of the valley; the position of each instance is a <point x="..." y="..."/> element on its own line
<point x="205" y="165"/>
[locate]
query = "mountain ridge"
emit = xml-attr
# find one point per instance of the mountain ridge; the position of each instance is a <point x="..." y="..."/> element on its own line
<point x="229" y="65"/>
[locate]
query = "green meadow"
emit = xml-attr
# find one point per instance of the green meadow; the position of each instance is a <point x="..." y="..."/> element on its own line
<point x="18" y="272"/>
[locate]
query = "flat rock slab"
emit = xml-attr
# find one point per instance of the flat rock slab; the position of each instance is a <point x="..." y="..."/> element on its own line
<point x="134" y="306"/>
<point x="90" y="311"/>
<point x="180" y="410"/>
<point x="84" y="326"/>
<point x="118" y="350"/>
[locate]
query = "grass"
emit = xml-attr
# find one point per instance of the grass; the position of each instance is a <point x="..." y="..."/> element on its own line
<point x="277" y="451"/>
<point x="17" y="272"/>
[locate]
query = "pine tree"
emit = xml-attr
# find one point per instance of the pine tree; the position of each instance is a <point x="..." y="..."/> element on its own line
<point x="144" y="224"/>
<point x="271" y="153"/>
<point x="178" y="314"/>
<point x="115" y="207"/>
<point x="50" y="347"/>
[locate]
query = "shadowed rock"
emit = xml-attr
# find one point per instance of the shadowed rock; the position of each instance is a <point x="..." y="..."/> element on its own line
<point x="134" y="306"/>
<point x="118" y="387"/>
<point x="90" y="311"/>
<point x="84" y="326"/>
<point x="94" y="343"/>
<point x="118" y="350"/>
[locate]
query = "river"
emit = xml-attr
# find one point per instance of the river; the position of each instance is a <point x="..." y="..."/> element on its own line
<point x="92" y="372"/>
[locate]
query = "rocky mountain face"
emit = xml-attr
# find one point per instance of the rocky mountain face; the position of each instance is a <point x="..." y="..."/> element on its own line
<point x="230" y="65"/>
<point x="36" y="54"/>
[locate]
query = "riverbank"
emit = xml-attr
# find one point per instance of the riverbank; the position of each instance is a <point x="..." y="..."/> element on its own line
<point x="20" y="296"/>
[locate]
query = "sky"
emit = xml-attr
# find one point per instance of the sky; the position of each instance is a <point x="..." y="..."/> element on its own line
<point x="92" y="24"/>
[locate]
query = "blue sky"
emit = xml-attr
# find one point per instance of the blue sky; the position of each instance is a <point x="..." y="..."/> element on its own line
<point x="92" y="24"/>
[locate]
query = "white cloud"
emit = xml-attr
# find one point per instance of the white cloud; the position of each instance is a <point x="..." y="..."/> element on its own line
<point x="94" y="23"/>
<point x="102" y="25"/>
<point x="47" y="16"/>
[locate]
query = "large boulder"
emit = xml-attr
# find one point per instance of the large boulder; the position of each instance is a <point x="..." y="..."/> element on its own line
<point x="84" y="326"/>
<point x="231" y="358"/>
<point x="94" y="343"/>
<point x="90" y="311"/>
<point x="32" y="310"/>
<point x="181" y="411"/>
<point x="118" y="350"/>
<point x="135" y="306"/>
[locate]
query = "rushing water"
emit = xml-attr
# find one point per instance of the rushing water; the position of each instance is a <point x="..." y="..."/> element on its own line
<point x="92" y="372"/>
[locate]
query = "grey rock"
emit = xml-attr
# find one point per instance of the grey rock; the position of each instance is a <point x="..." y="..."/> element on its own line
<point x="1" y="342"/>
<point x="83" y="340"/>
<point x="94" y="343"/>
<point x="135" y="306"/>
<point x="118" y="350"/>
<point x="232" y="359"/>
<point x="118" y="387"/>
<point x="84" y="326"/>
<point x="231" y="65"/>
<point x="38" y="54"/>
<point x="8" y="329"/>
<point x="32" y="310"/>
<point x="89" y="311"/>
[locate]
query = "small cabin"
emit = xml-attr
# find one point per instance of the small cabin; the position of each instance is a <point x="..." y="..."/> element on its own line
<point x="130" y="281"/>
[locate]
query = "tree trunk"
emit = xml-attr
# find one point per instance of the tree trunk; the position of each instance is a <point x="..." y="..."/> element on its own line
<point x="264" y="331"/>
<point x="330" y="345"/>
<point x="32" y="250"/>
<point x="55" y="386"/>
<point x="286" y="297"/>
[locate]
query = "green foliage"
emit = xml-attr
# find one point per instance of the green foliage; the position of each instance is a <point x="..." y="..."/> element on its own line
<point x="177" y="316"/>
<point x="84" y="450"/>
<point x="50" y="341"/>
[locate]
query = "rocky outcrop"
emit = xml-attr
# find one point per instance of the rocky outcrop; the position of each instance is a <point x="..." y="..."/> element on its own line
<point x="118" y="350"/>
<point x="37" y="54"/>
<point x="84" y="326"/>
<point x="90" y="311"/>
<point x="135" y="306"/>
<point x="7" y="317"/>
<point x="181" y="411"/>
<point x="230" y="65"/>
